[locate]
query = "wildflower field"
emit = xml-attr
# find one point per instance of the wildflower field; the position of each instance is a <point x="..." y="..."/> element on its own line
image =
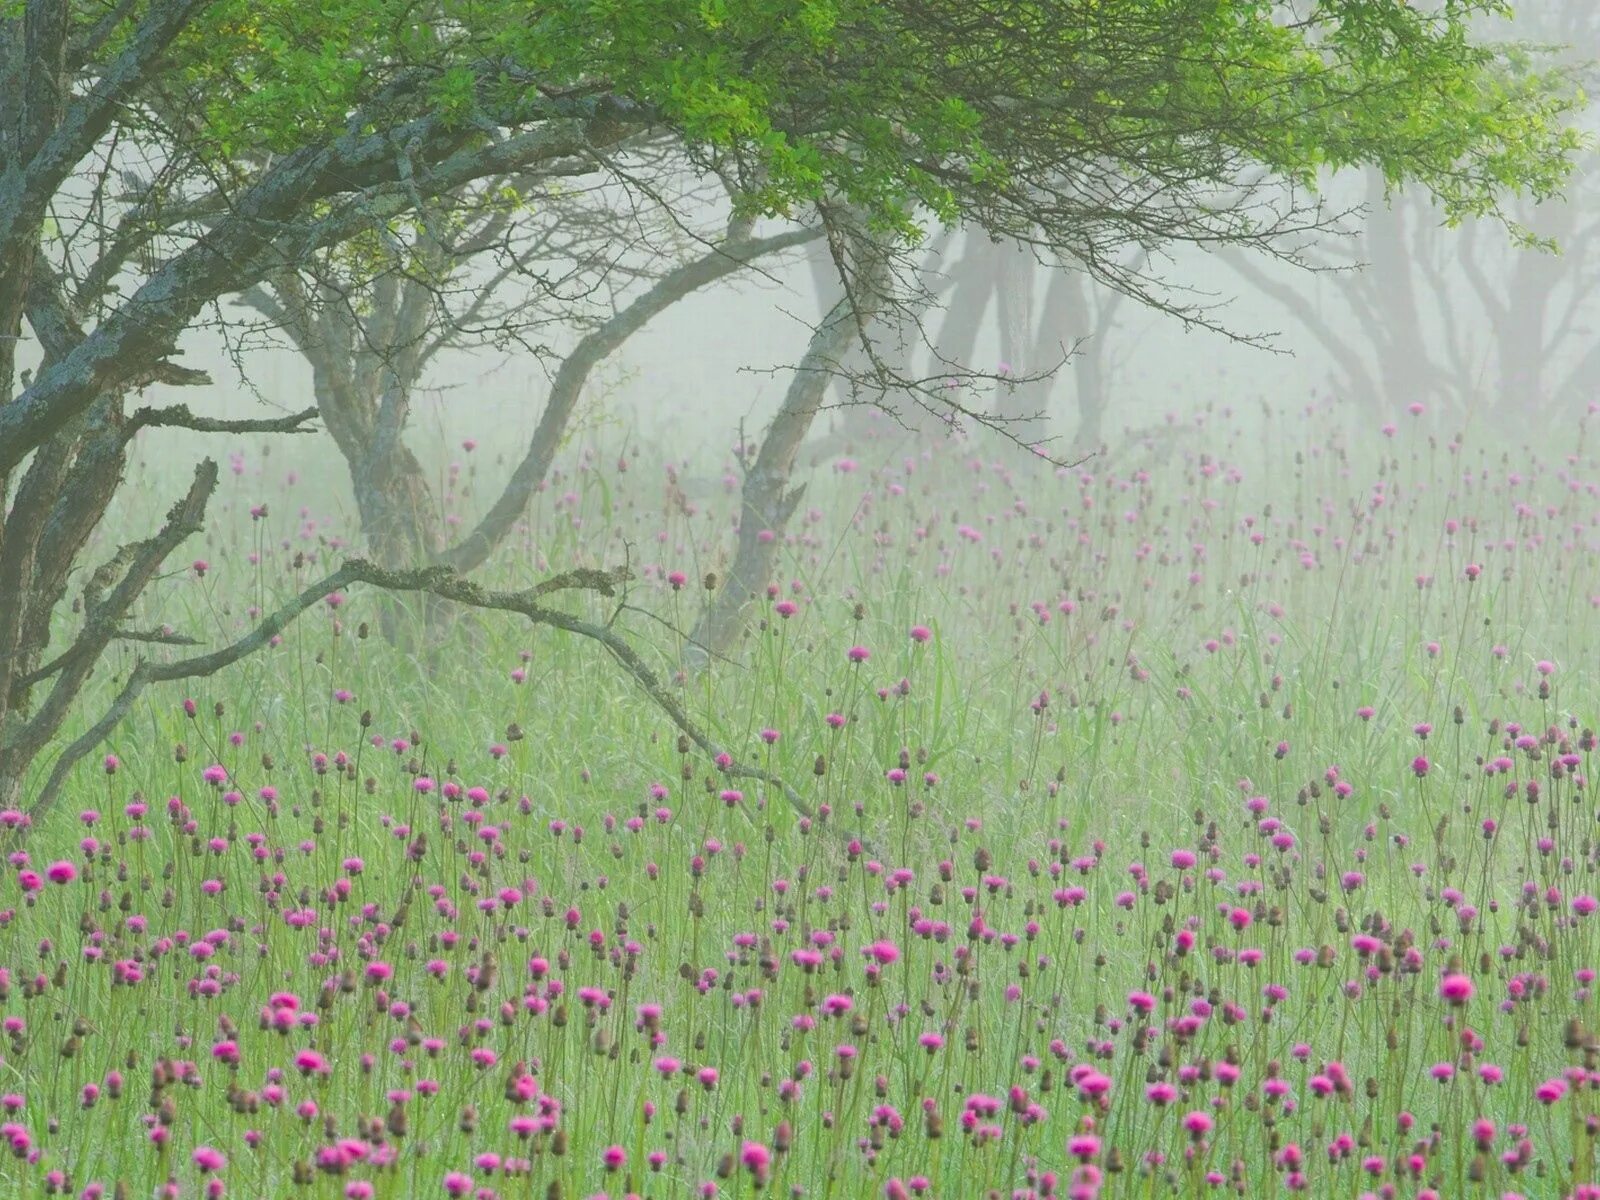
<point x="1211" y="817"/>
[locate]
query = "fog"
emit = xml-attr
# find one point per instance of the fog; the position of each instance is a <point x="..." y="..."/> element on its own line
<point x="722" y="357"/>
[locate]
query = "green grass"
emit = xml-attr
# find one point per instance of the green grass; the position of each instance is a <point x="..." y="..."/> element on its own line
<point x="1149" y="742"/>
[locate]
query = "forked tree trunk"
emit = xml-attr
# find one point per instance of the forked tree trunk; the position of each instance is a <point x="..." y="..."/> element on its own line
<point x="58" y="503"/>
<point x="364" y="367"/>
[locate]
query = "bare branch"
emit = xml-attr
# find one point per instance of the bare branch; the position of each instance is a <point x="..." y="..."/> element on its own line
<point x="90" y="116"/>
<point x="723" y="260"/>
<point x="178" y="416"/>
<point x="138" y="563"/>
<point x="251" y="242"/>
<point x="438" y="581"/>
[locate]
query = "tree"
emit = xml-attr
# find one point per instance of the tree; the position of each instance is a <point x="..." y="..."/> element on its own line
<point x="1466" y="320"/>
<point x="156" y="158"/>
<point x="505" y="264"/>
<point x="1160" y="157"/>
<point x="1075" y="315"/>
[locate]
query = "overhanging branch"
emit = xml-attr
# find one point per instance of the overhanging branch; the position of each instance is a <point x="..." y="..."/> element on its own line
<point x="438" y="581"/>
<point x="721" y="261"/>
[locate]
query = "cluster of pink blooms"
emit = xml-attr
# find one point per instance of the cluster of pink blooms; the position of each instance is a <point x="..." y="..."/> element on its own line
<point x="1346" y="956"/>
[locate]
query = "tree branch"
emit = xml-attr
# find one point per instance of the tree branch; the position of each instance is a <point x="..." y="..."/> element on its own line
<point x="178" y="416"/>
<point x="723" y="260"/>
<point x="138" y="562"/>
<point x="438" y="581"/>
<point x="252" y="241"/>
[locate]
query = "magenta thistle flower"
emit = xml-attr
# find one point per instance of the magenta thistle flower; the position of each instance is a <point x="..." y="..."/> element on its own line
<point x="209" y="1159"/>
<point x="756" y="1159"/>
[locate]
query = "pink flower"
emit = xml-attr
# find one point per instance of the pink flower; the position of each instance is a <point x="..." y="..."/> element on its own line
<point x="61" y="872"/>
<point x="309" y="1062"/>
<point x="613" y="1157"/>
<point x="1160" y="1093"/>
<point x="1083" y="1146"/>
<point x="858" y="654"/>
<point x="756" y="1159"/>
<point x="920" y="633"/>
<point x="209" y="1159"/>
<point x="883" y="952"/>
<point x="1456" y="989"/>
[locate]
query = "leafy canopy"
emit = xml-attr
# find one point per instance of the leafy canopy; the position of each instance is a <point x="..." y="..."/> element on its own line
<point x="1029" y="117"/>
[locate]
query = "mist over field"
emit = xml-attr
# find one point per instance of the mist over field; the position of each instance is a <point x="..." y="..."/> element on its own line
<point x="839" y="599"/>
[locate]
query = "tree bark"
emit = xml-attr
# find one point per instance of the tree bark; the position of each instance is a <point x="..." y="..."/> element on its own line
<point x="767" y="500"/>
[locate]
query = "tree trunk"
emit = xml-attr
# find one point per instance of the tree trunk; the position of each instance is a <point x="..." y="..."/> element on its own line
<point x="1021" y="402"/>
<point x="399" y="515"/>
<point x="1522" y="333"/>
<point x="11" y="798"/>
<point x="973" y="283"/>
<point x="767" y="499"/>
<point x="1403" y="361"/>
<point x="1068" y="326"/>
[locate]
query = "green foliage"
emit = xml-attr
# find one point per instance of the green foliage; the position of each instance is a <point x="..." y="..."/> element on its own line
<point x="957" y="109"/>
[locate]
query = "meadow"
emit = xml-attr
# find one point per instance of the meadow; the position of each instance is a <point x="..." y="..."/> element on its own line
<point x="1211" y="817"/>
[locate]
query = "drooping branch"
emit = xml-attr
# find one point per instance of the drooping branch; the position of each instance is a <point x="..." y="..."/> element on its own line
<point x="1294" y="302"/>
<point x="594" y="348"/>
<point x="439" y="581"/>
